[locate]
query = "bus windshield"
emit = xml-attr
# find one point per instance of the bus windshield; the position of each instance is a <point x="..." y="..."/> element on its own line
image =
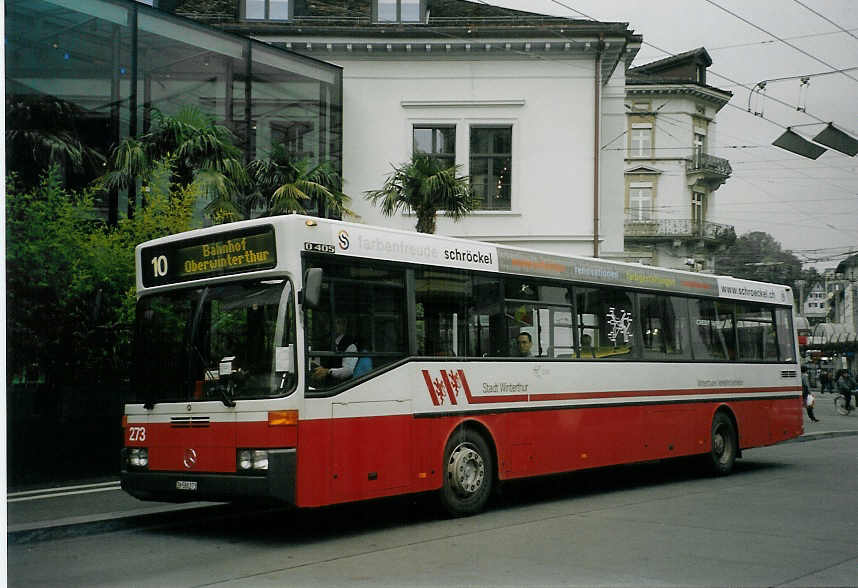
<point x="221" y="342"/>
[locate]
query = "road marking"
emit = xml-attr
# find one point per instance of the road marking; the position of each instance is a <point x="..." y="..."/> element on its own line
<point x="62" y="491"/>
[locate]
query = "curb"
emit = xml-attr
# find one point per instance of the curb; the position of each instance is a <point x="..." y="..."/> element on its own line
<point x="822" y="435"/>
<point x="108" y="522"/>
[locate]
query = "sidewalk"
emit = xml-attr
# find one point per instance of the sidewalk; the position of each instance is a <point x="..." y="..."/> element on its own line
<point x="82" y="509"/>
<point x="86" y="508"/>
<point x="830" y="423"/>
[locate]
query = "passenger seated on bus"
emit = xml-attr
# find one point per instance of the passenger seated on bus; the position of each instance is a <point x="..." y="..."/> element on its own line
<point x="337" y="369"/>
<point x="524" y="345"/>
<point x="363" y="364"/>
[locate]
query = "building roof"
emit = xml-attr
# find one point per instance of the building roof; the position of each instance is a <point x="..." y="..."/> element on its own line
<point x="668" y="64"/>
<point x="682" y="69"/>
<point x="349" y="10"/>
<point x="322" y="27"/>
<point x="323" y="17"/>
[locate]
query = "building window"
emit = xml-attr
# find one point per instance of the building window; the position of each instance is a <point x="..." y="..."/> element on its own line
<point x="491" y="166"/>
<point x="698" y="200"/>
<point x="267" y="9"/>
<point x="640" y="140"/>
<point x="699" y="146"/>
<point x="398" y="10"/>
<point x="640" y="203"/>
<point x="437" y="141"/>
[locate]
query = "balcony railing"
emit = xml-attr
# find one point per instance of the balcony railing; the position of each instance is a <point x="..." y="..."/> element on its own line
<point x="676" y="228"/>
<point x="709" y="164"/>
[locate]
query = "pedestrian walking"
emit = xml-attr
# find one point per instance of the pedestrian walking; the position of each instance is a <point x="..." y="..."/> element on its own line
<point x="824" y="381"/>
<point x="844" y="385"/>
<point x="806" y="396"/>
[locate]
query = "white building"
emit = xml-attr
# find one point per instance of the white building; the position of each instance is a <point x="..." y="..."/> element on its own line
<point x="521" y="102"/>
<point x="815" y="306"/>
<point x="670" y="176"/>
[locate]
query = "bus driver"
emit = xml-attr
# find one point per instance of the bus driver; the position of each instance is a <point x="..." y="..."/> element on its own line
<point x="339" y="368"/>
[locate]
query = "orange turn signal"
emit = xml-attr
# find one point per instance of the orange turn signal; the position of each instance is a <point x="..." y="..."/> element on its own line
<point x="125" y="421"/>
<point x="278" y="418"/>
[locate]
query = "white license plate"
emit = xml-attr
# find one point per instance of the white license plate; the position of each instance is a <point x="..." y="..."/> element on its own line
<point x="185" y="485"/>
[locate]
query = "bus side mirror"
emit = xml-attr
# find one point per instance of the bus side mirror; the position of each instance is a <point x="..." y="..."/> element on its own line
<point x="312" y="287"/>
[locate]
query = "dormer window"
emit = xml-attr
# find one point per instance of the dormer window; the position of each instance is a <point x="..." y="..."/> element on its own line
<point x="267" y="9"/>
<point x="398" y="10"/>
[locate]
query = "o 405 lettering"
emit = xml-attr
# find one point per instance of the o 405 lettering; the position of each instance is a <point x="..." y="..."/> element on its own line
<point x="320" y="247"/>
<point x="136" y="433"/>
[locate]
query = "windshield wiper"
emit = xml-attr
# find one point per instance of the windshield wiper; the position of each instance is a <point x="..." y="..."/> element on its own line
<point x="226" y="394"/>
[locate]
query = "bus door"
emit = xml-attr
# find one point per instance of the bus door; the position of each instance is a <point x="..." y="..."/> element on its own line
<point x="371" y="448"/>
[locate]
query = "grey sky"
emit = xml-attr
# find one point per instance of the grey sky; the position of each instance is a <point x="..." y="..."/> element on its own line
<point x="806" y="205"/>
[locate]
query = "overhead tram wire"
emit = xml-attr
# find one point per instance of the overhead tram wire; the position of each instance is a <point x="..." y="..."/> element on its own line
<point x="825" y="18"/>
<point x="770" y="41"/>
<point x="813" y="75"/>
<point x="811" y="216"/>
<point x="729" y="104"/>
<point x="745" y="86"/>
<point x="713" y="72"/>
<point x="782" y="40"/>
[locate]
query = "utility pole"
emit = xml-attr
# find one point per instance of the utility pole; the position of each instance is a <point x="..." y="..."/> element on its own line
<point x="800" y="284"/>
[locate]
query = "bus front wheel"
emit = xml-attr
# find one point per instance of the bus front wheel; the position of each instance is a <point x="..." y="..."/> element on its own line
<point x="725" y="445"/>
<point x="468" y="474"/>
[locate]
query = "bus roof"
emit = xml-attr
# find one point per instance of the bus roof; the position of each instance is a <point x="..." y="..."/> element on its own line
<point x="366" y="241"/>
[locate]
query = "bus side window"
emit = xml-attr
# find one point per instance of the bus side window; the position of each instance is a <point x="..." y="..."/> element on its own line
<point x="486" y="323"/>
<point x="359" y="322"/>
<point x="606" y="323"/>
<point x="786" y="342"/>
<point x="664" y="327"/>
<point x="443" y="298"/>
<point x="712" y="334"/>
<point x="755" y="330"/>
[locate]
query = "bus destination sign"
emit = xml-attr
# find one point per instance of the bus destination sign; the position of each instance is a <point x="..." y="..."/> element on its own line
<point x="231" y="253"/>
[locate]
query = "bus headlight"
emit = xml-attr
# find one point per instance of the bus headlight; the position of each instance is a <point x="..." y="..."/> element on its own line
<point x="252" y="460"/>
<point x="245" y="459"/>
<point x="138" y="457"/>
<point x="260" y="459"/>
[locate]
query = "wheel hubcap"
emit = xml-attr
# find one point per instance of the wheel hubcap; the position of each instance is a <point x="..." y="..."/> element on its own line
<point x="720" y="446"/>
<point x="466" y="470"/>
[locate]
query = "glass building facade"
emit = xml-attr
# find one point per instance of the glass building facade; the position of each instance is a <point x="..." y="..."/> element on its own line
<point x="97" y="70"/>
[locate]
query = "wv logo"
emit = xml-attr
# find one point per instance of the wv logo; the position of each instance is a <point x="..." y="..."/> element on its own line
<point x="447" y="388"/>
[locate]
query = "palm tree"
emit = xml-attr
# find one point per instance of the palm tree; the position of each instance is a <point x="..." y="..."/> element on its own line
<point x="41" y="131"/>
<point x="198" y="151"/>
<point x="281" y="185"/>
<point x="425" y="186"/>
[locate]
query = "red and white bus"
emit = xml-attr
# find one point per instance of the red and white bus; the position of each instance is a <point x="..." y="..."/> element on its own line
<point x="318" y="362"/>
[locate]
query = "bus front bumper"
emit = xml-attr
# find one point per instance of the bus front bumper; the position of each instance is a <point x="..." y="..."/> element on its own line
<point x="278" y="483"/>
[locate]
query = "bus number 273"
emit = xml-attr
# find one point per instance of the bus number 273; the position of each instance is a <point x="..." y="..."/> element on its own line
<point x="136" y="433"/>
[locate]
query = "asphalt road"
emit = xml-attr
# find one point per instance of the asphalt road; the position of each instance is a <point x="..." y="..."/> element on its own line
<point x="787" y="516"/>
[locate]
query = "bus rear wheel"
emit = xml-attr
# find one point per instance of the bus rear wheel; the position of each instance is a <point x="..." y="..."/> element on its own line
<point x="468" y="474"/>
<point x="725" y="445"/>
